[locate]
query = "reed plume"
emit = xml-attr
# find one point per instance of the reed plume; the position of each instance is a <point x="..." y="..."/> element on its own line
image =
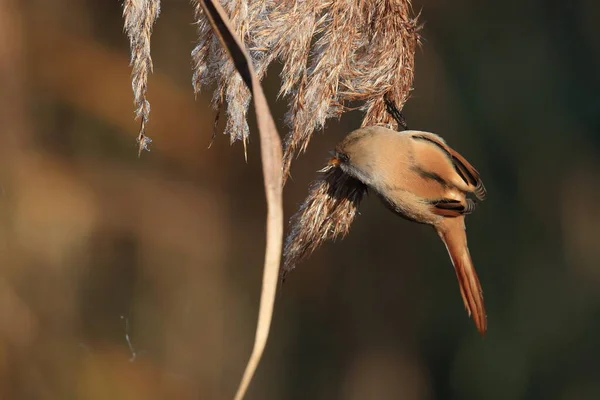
<point x="326" y="213"/>
<point x="140" y="16"/>
<point x="336" y="55"/>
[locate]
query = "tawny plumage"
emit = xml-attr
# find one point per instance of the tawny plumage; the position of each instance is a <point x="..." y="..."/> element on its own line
<point x="422" y="179"/>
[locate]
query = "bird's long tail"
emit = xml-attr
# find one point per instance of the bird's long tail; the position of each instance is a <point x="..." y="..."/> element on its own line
<point x="453" y="234"/>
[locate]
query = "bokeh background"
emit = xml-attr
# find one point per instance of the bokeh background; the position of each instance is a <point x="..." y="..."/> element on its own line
<point x="127" y="278"/>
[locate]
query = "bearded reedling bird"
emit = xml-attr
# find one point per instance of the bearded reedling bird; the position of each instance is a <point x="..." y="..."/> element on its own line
<point x="422" y="179"/>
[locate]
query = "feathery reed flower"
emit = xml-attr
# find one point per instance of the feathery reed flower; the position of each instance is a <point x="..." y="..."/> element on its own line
<point x="334" y="53"/>
<point x="140" y="16"/>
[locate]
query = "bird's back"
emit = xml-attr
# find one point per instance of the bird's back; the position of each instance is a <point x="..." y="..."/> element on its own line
<point x="406" y="168"/>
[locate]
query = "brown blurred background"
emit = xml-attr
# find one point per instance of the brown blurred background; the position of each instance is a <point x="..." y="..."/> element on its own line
<point x="127" y="278"/>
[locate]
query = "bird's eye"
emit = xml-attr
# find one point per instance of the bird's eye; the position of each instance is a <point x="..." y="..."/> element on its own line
<point x="343" y="157"/>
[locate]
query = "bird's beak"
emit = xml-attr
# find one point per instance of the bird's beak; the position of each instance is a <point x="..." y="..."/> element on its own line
<point x="333" y="161"/>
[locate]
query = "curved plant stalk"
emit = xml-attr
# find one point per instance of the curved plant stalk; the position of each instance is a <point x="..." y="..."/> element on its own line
<point x="271" y="154"/>
<point x="334" y="53"/>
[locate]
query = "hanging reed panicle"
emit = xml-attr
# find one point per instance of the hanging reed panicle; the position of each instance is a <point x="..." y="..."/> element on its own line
<point x="326" y="213"/>
<point x="334" y="53"/>
<point x="140" y="16"/>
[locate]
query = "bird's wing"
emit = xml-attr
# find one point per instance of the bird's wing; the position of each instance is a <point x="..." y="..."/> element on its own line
<point x="453" y="207"/>
<point x="464" y="169"/>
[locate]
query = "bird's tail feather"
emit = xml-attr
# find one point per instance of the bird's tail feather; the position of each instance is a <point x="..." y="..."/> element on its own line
<point x="453" y="234"/>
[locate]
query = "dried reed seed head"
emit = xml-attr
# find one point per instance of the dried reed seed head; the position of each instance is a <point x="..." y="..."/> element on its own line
<point x="333" y="52"/>
<point x="140" y="16"/>
<point x="327" y="212"/>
